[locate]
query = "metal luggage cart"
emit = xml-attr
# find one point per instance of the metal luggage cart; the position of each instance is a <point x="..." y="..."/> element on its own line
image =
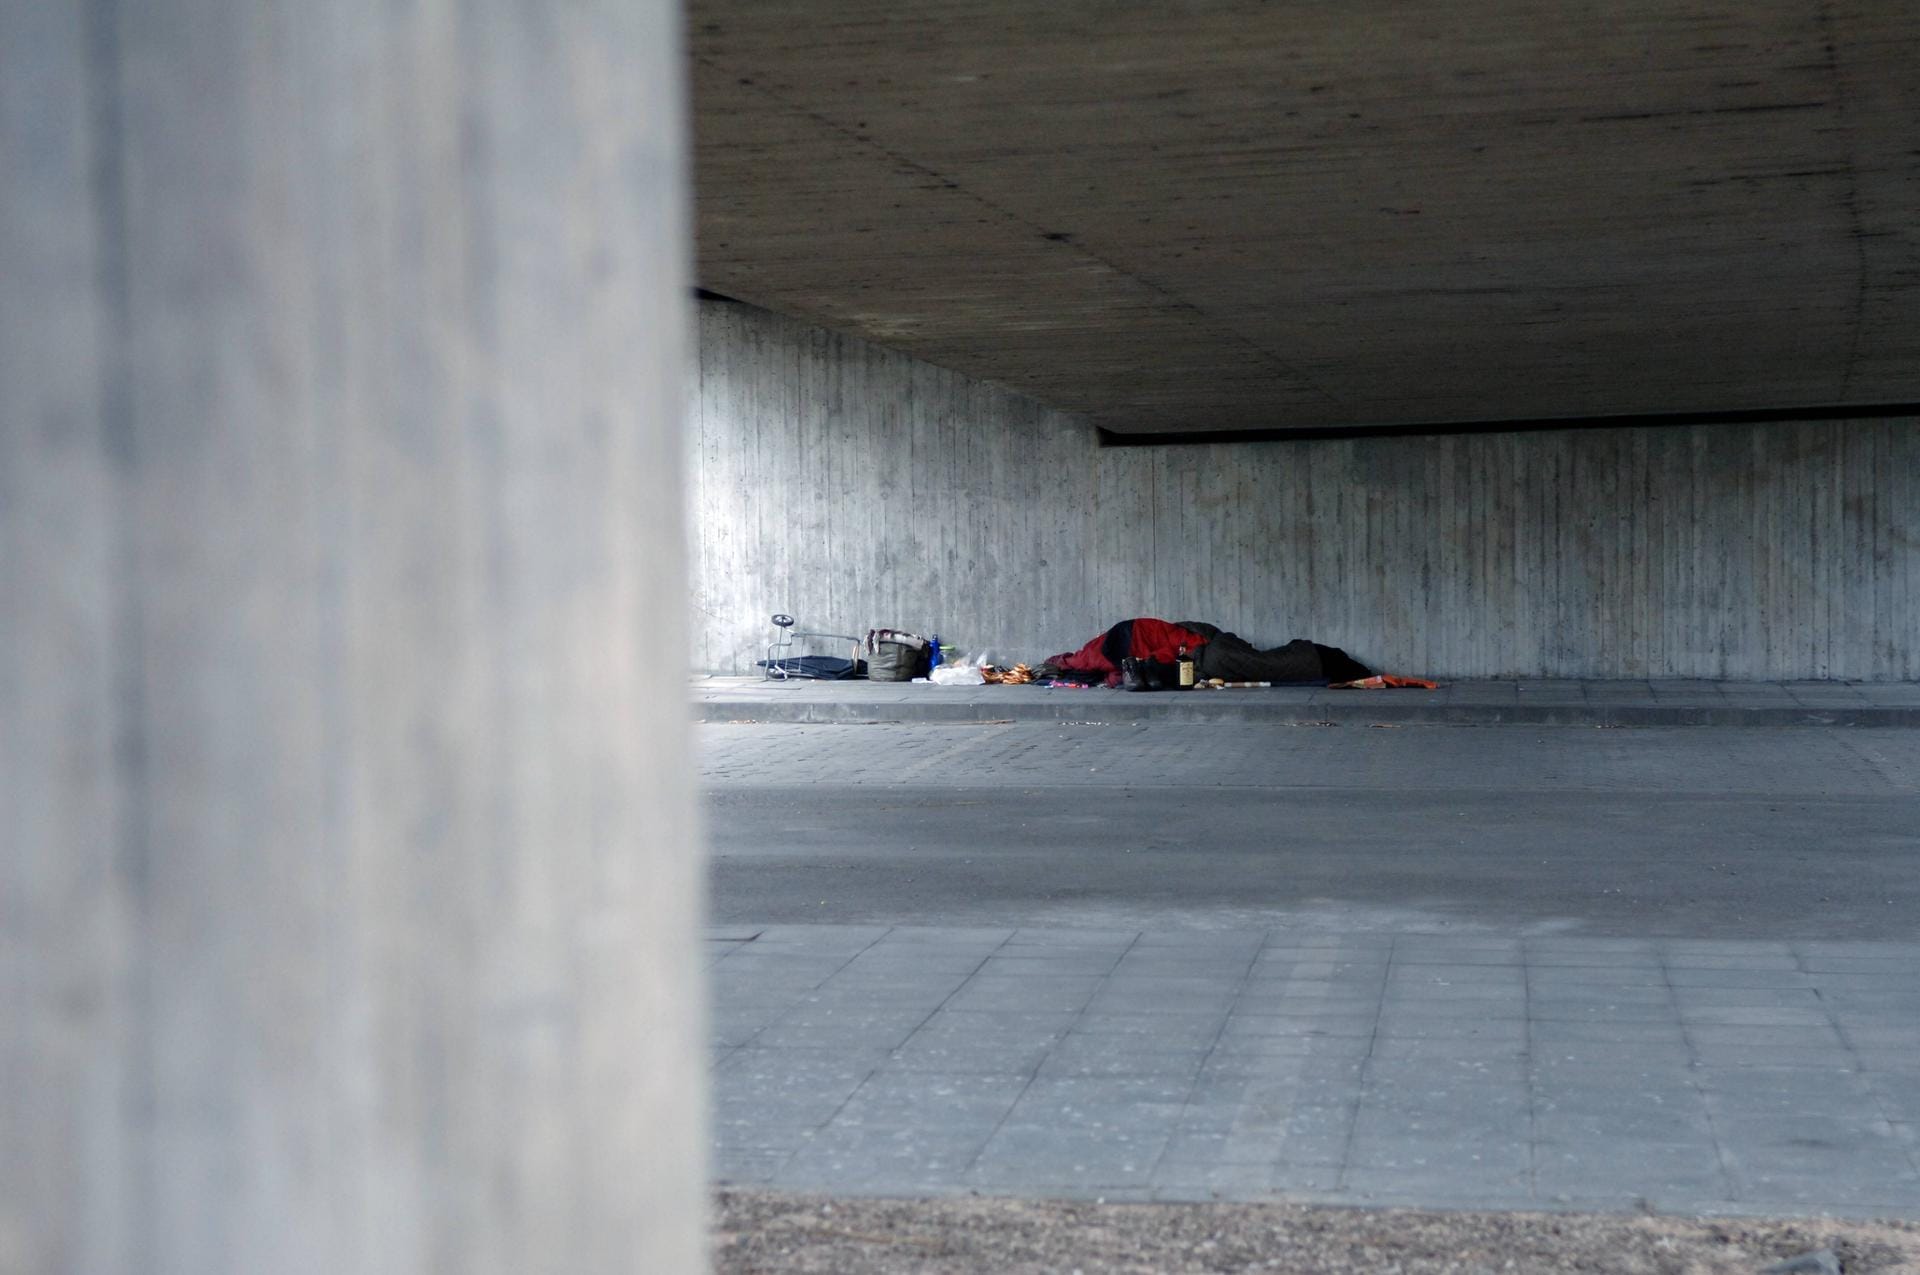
<point x="780" y="653"/>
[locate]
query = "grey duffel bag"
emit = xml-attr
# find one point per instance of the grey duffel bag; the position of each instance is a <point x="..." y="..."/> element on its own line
<point x="893" y="656"/>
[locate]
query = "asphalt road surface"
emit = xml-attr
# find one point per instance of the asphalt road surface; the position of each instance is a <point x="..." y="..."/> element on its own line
<point x="1678" y="832"/>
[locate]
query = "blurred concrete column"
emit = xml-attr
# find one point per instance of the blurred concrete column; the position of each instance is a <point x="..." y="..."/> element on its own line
<point x="349" y="878"/>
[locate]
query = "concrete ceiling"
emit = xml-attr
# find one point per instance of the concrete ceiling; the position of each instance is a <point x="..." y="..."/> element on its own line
<point x="1229" y="216"/>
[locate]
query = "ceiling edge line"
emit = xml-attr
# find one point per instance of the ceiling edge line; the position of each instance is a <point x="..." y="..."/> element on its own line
<point x="1323" y="433"/>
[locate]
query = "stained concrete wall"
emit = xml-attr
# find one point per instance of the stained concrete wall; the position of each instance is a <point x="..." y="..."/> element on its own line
<point x="349" y="882"/>
<point x="855" y="487"/>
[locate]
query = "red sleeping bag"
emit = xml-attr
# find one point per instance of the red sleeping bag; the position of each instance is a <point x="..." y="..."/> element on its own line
<point x="1141" y="639"/>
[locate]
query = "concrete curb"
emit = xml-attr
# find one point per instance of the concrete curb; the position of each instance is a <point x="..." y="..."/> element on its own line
<point x="1393" y="708"/>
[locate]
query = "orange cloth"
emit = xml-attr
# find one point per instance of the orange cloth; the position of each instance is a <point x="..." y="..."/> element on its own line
<point x="1382" y="681"/>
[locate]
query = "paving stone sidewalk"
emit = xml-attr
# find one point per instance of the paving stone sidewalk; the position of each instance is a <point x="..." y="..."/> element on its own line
<point x="1729" y="1077"/>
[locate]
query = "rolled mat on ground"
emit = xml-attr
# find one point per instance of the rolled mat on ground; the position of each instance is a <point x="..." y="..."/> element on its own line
<point x="1218" y="654"/>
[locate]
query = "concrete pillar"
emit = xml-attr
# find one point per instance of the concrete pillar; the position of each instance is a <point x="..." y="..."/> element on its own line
<point x="349" y="881"/>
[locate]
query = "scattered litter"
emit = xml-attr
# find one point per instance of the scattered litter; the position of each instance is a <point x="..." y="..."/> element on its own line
<point x="1018" y="675"/>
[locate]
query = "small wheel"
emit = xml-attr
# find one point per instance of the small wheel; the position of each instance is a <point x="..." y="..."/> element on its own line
<point x="783" y="621"/>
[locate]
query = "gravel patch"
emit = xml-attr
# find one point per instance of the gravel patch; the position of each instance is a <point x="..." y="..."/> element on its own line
<point x="772" y="1233"/>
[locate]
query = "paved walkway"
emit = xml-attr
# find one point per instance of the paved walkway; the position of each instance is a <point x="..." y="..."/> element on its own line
<point x="1722" y="1076"/>
<point x="1476" y="703"/>
<point x="1527" y="967"/>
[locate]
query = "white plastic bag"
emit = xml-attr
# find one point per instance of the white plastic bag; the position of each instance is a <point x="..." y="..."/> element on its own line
<point x="957" y="675"/>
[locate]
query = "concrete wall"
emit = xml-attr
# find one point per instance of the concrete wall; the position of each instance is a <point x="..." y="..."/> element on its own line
<point x="349" y="881"/>
<point x="855" y="487"/>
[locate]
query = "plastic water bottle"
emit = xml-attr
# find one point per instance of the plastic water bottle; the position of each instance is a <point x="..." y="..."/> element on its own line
<point x="933" y="653"/>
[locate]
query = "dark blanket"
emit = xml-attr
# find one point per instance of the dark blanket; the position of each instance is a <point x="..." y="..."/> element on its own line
<point x="1217" y="653"/>
<point x="1232" y="658"/>
<point x="816" y="668"/>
